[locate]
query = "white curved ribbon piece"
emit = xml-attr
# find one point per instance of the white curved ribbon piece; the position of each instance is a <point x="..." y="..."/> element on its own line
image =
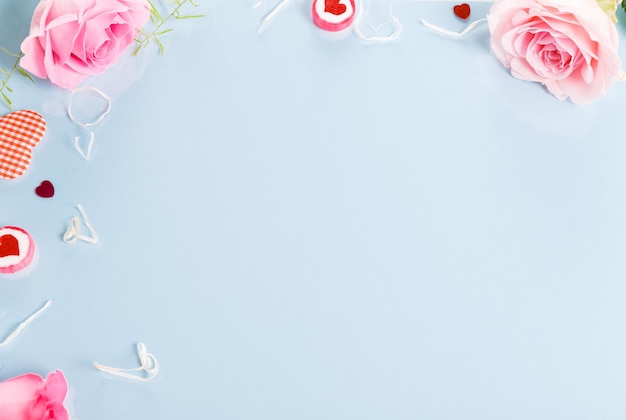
<point x="454" y="34"/>
<point x="86" y="125"/>
<point x="149" y="365"/>
<point x="24" y="324"/>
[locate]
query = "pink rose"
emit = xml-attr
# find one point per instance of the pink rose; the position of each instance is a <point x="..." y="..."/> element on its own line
<point x="70" y="40"/>
<point x="30" y="397"/>
<point x="570" y="46"/>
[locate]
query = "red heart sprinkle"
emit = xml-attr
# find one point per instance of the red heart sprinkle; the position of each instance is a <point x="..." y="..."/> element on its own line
<point x="462" y="11"/>
<point x="334" y="7"/>
<point x="9" y="246"/>
<point x="45" y="189"/>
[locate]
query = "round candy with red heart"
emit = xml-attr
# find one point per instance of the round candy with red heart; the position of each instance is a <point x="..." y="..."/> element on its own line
<point x="333" y="15"/>
<point x="17" y="249"/>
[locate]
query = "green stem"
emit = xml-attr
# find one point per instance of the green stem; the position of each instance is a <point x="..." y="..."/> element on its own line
<point x="8" y="77"/>
<point x="162" y="21"/>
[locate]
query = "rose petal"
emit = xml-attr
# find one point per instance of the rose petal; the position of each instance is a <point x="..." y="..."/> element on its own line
<point x="17" y="396"/>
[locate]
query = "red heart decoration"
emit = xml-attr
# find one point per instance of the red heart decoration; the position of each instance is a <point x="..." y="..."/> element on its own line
<point x="334" y="7"/>
<point x="9" y="246"/>
<point x="45" y="189"/>
<point x="462" y="10"/>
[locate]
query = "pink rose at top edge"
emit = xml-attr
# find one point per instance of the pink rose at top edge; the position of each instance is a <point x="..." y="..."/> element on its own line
<point x="70" y="40"/>
<point x="570" y="46"/>
<point x="31" y="397"/>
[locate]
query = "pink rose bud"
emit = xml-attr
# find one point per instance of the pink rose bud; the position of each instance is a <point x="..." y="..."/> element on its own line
<point x="568" y="46"/>
<point x="72" y="40"/>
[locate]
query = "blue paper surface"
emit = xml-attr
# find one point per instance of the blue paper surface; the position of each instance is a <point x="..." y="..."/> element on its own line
<point x="303" y="225"/>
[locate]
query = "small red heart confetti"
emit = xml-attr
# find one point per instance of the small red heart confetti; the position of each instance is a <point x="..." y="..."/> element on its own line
<point x="462" y="11"/>
<point x="45" y="189"/>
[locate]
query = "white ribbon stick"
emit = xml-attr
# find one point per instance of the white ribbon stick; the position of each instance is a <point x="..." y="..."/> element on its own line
<point x="86" y="125"/>
<point x="453" y="34"/>
<point x="271" y="15"/>
<point x="148" y="362"/>
<point x="24" y="324"/>
<point x="72" y="234"/>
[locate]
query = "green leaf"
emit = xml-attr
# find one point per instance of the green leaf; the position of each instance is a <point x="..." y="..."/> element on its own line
<point x="7" y="100"/>
<point x="25" y="74"/>
<point x="162" y="32"/>
<point x="161" y="47"/>
<point x="138" y="48"/>
<point x="609" y="7"/>
<point x="188" y="17"/>
<point x="154" y="11"/>
<point x="6" y="51"/>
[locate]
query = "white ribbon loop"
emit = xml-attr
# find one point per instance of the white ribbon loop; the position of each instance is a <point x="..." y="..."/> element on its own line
<point x="92" y="136"/>
<point x="149" y="365"/>
<point x="72" y="234"/>
<point x="24" y="324"/>
<point x="394" y="22"/>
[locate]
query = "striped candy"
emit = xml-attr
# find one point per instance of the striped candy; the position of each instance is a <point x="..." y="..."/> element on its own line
<point x="17" y="249"/>
<point x="333" y="15"/>
<point x="20" y="131"/>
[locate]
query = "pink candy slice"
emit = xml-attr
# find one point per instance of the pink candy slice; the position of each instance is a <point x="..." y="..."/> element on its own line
<point x="17" y="249"/>
<point x="333" y="15"/>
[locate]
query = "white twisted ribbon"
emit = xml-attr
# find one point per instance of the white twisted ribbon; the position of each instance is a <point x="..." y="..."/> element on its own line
<point x="454" y="34"/>
<point x="92" y="136"/>
<point x="24" y="324"/>
<point x="72" y="234"/>
<point x="148" y="362"/>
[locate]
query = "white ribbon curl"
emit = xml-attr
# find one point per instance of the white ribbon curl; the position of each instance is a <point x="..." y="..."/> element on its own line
<point x="87" y="125"/>
<point x="72" y="234"/>
<point x="148" y="362"/>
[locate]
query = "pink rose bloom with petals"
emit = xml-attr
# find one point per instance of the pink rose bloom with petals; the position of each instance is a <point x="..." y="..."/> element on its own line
<point x="30" y="397"/>
<point x="570" y="46"/>
<point x="71" y="40"/>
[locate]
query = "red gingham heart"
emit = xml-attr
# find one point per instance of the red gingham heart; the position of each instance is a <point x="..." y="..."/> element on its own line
<point x="20" y="131"/>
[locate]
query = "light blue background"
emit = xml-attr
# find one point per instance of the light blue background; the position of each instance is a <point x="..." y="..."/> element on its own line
<point x="307" y="226"/>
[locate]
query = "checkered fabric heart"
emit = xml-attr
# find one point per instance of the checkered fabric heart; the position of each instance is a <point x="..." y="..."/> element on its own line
<point x="20" y="131"/>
